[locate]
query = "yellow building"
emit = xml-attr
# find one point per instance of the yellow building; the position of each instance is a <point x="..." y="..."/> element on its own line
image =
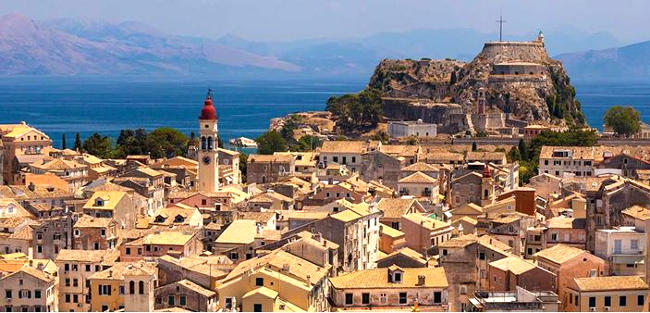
<point x="75" y="266"/>
<point x="388" y="289"/>
<point x="279" y="281"/>
<point x="125" y="285"/>
<point x="613" y="293"/>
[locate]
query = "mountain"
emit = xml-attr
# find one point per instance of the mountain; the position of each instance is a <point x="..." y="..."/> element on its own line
<point x="70" y="47"/>
<point x="629" y="62"/>
<point x="77" y="46"/>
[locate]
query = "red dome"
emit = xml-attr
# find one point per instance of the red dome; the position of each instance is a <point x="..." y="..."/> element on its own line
<point x="208" y="112"/>
<point x="486" y="172"/>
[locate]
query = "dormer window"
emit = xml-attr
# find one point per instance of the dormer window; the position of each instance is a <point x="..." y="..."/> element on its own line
<point x="395" y="274"/>
<point x="99" y="202"/>
<point x="179" y="219"/>
<point x="160" y="219"/>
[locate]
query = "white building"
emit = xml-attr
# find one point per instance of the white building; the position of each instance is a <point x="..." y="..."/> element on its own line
<point x="623" y="247"/>
<point x="411" y="128"/>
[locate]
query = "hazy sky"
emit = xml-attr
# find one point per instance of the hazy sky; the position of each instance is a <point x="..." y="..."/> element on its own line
<point x="300" y="19"/>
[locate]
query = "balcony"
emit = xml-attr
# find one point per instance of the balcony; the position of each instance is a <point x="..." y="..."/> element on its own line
<point x="628" y="258"/>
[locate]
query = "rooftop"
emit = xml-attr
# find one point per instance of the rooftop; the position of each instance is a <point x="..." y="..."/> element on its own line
<point x="610" y="283"/>
<point x="378" y="278"/>
<point x="239" y="232"/>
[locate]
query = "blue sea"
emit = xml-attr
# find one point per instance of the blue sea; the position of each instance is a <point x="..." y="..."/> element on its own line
<point x="86" y="106"/>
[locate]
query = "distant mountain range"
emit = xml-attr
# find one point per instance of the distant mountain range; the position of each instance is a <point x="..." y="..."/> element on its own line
<point x="80" y="47"/>
<point x="631" y="62"/>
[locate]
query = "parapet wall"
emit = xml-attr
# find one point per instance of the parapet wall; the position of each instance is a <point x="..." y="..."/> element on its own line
<point x="512" y="51"/>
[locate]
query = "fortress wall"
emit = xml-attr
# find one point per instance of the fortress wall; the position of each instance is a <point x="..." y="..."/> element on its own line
<point x="511" y="51"/>
<point x="448" y="116"/>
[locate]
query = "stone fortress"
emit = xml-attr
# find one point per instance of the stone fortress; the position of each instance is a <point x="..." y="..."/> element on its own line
<point x="503" y="89"/>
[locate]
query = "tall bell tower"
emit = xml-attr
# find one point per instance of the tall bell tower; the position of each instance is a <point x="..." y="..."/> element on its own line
<point x="208" y="154"/>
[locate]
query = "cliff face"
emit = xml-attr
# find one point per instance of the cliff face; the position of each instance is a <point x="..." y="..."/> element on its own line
<point x="513" y="77"/>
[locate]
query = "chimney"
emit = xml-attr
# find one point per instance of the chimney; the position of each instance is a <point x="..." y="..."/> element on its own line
<point x="286" y="267"/>
<point x="421" y="280"/>
<point x="110" y="273"/>
<point x="31" y="186"/>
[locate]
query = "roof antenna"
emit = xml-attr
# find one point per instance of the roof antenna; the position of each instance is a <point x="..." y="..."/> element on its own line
<point x="209" y="95"/>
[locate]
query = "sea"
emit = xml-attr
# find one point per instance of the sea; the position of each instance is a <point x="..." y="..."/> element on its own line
<point x="105" y="106"/>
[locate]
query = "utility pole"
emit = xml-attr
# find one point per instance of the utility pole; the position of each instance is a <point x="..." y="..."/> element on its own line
<point x="500" y="21"/>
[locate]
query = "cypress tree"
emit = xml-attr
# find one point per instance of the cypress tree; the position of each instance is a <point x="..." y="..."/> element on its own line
<point x="63" y="142"/>
<point x="523" y="150"/>
<point x="77" y="142"/>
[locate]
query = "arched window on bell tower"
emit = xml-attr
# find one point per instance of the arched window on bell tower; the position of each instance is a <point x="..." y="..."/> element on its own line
<point x="210" y="143"/>
<point x="203" y="143"/>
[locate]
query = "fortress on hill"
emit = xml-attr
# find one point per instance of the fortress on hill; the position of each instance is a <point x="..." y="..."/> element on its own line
<point x="506" y="87"/>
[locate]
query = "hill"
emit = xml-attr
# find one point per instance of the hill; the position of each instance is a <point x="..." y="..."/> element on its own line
<point x="629" y="62"/>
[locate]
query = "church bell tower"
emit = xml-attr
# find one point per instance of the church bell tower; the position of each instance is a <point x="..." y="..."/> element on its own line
<point x="208" y="154"/>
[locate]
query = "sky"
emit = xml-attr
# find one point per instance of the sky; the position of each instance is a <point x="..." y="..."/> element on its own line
<point x="286" y="20"/>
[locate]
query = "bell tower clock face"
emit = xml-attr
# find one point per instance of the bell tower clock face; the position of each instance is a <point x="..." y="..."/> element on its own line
<point x="206" y="160"/>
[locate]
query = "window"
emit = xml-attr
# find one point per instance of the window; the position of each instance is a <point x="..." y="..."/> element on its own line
<point x="554" y="236"/>
<point x="75" y="283"/>
<point x="170" y="300"/>
<point x="228" y="304"/>
<point x="444" y="251"/>
<point x="437" y="297"/>
<point x="608" y="301"/>
<point x="121" y="290"/>
<point x="634" y="244"/>
<point x="640" y="300"/>
<point x="67" y="282"/>
<point x="131" y="287"/>
<point x="259" y="281"/>
<point x="128" y="251"/>
<point x="402" y="298"/>
<point x="141" y="287"/>
<point x="592" y="302"/>
<point x="8" y="293"/>
<point x="481" y="256"/>
<point x="66" y="267"/>
<point x="348" y="298"/>
<point x="67" y="298"/>
<point x="37" y="294"/>
<point x="622" y="301"/>
<point x="365" y="298"/>
<point x="397" y="277"/>
<point x="394" y="225"/>
<point x="104" y="308"/>
<point x="75" y="298"/>
<point x="182" y="300"/>
<point x="257" y="307"/>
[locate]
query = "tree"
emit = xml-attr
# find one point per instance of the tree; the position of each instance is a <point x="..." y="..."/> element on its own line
<point x="412" y="141"/>
<point x="219" y="142"/>
<point x="77" y="141"/>
<point x="270" y="142"/>
<point x="243" y="165"/>
<point x="130" y="142"/>
<point x="166" y="142"/>
<point x="354" y="111"/>
<point x="625" y="121"/>
<point x="513" y="155"/>
<point x="98" y="145"/>
<point x="307" y="143"/>
<point x="523" y="150"/>
<point x="453" y="79"/>
<point x="63" y="142"/>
